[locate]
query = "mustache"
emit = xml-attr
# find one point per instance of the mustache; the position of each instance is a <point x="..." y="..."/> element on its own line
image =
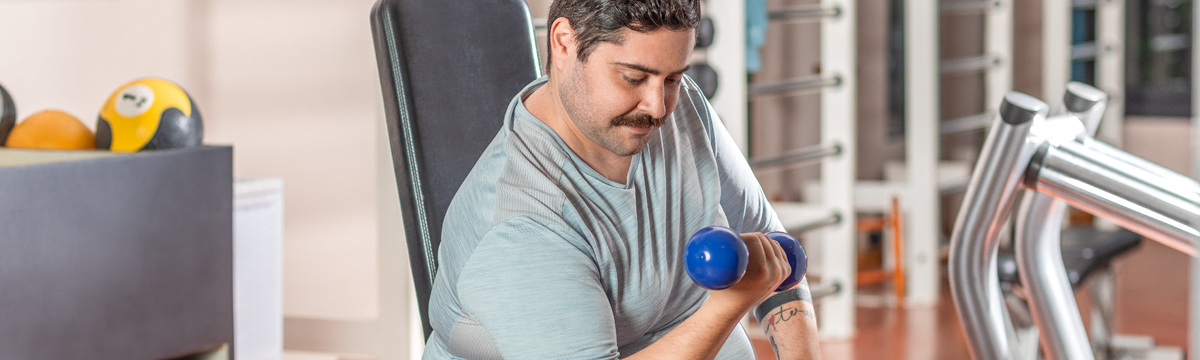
<point x="639" y="120"/>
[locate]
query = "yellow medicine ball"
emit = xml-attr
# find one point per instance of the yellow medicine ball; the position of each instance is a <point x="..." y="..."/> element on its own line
<point x="149" y="113"/>
<point x="51" y="129"/>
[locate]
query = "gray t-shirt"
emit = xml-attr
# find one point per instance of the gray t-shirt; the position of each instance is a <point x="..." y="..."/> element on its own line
<point x="544" y="258"/>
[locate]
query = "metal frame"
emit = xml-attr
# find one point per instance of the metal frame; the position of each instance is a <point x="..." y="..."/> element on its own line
<point x="1053" y="157"/>
<point x="924" y="129"/>
<point x="839" y="59"/>
<point x="1039" y="250"/>
<point x="834" y="213"/>
<point x="922" y="112"/>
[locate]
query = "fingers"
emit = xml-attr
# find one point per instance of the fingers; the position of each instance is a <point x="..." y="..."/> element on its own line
<point x="758" y="249"/>
<point x="767" y="257"/>
<point x="781" y="261"/>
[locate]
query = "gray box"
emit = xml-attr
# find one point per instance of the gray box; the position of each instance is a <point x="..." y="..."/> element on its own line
<point x="115" y="256"/>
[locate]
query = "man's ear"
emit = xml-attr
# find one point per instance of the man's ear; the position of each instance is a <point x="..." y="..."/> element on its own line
<point x="562" y="43"/>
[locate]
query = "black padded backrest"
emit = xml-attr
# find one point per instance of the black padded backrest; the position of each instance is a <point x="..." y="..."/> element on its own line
<point x="448" y="71"/>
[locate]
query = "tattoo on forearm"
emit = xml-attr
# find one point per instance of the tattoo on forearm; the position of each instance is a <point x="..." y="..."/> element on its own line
<point x="773" y="346"/>
<point x="786" y="313"/>
<point x="800" y="293"/>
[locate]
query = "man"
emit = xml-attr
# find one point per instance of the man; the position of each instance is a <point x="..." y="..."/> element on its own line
<point x="566" y="240"/>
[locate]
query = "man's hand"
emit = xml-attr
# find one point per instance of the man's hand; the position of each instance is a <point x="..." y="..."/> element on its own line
<point x="703" y="333"/>
<point x="766" y="268"/>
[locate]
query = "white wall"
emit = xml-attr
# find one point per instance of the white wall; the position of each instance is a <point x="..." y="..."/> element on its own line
<point x="292" y="85"/>
<point x="70" y="55"/>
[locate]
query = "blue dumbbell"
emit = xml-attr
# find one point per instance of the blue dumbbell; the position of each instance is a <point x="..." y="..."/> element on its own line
<point x="716" y="257"/>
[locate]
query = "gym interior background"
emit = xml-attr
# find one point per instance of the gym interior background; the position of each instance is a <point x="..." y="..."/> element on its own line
<point x="293" y="87"/>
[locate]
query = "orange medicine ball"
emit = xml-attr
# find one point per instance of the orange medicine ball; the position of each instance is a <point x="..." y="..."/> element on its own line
<point x="51" y="129"/>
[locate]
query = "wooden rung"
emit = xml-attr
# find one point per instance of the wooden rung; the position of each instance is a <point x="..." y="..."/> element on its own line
<point x="898" y="281"/>
<point x="871" y="224"/>
<point x="873" y="276"/>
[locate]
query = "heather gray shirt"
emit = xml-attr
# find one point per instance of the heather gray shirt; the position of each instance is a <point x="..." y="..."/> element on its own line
<point x="544" y="258"/>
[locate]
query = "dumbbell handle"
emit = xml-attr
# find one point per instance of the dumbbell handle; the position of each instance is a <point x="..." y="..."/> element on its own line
<point x="716" y="258"/>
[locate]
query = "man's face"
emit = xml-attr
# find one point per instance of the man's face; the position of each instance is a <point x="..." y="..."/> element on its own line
<point x="623" y="93"/>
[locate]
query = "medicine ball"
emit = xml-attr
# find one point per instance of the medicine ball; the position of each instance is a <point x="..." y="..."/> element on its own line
<point x="8" y="115"/>
<point x="51" y="129"/>
<point x="146" y="114"/>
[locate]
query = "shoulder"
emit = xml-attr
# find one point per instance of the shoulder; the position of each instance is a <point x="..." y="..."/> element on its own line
<point x="521" y="174"/>
<point x="694" y="112"/>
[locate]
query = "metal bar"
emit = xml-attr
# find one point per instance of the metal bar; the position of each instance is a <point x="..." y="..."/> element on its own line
<point x="967" y="6"/>
<point x="973" y="122"/>
<point x="813" y="83"/>
<point x="833" y="219"/>
<point x="1084" y="51"/>
<point x="1038" y="246"/>
<point x="1175" y="178"/>
<point x="1087" y="104"/>
<point x="801" y="155"/>
<point x="1084" y="4"/>
<point x="970" y="64"/>
<point x="1169" y="42"/>
<point x="822" y="290"/>
<point x="1147" y="173"/>
<point x="1040" y="264"/>
<point x="1072" y="173"/>
<point x="952" y="189"/>
<point x="974" y="242"/>
<point x="813" y="13"/>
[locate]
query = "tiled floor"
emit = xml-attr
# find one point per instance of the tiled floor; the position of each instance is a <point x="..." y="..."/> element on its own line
<point x="1151" y="299"/>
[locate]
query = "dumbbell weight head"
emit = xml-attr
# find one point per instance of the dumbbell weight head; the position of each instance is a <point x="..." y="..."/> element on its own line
<point x="797" y="258"/>
<point x="716" y="257"/>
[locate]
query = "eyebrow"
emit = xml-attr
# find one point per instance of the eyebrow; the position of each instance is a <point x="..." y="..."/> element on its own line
<point x="651" y="71"/>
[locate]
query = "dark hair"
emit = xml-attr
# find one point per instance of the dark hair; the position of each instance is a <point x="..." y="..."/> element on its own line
<point x="598" y="21"/>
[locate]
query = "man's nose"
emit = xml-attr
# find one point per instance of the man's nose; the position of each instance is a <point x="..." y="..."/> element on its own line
<point x="654" y="102"/>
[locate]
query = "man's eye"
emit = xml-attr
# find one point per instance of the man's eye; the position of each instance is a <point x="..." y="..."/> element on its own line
<point x="674" y="80"/>
<point x="632" y="80"/>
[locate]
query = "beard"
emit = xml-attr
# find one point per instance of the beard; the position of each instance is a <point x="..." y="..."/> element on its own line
<point x="580" y="107"/>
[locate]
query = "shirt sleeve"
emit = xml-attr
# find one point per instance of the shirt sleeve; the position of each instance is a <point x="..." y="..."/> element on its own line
<point x="742" y="198"/>
<point x="537" y="292"/>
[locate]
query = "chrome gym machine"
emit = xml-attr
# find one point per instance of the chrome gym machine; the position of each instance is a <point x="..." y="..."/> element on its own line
<point x="1058" y="161"/>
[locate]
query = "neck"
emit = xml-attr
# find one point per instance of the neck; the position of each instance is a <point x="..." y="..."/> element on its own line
<point x="546" y="105"/>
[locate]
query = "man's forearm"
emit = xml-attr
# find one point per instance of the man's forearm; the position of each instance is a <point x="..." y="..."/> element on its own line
<point x="790" y="323"/>
<point x="699" y="337"/>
